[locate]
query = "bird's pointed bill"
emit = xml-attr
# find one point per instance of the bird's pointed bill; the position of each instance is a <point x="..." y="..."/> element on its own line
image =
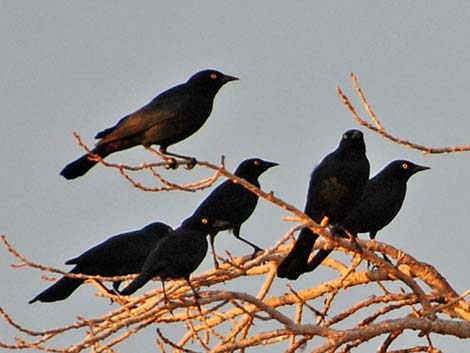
<point x="419" y="168"/>
<point x="228" y="78"/>
<point x="270" y="164"/>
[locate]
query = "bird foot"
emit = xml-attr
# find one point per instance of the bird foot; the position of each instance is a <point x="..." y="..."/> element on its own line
<point x="355" y="245"/>
<point x="171" y="163"/>
<point x="114" y="293"/>
<point x="168" y="304"/>
<point x="255" y="253"/>
<point x="121" y="300"/>
<point x="191" y="163"/>
<point x="196" y="301"/>
<point x="385" y="257"/>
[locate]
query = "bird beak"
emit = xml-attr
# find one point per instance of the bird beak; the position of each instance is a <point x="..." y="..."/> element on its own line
<point x="228" y="78"/>
<point x="270" y="164"/>
<point x="419" y="168"/>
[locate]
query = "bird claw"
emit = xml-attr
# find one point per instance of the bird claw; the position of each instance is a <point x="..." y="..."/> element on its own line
<point x="257" y="250"/>
<point x="191" y="163"/>
<point x="171" y="163"/>
<point x="112" y="292"/>
<point x="385" y="257"/>
<point x="198" y="305"/>
<point x="355" y="244"/>
<point x="168" y="304"/>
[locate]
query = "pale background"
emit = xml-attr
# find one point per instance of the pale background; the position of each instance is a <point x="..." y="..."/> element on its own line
<point x="81" y="66"/>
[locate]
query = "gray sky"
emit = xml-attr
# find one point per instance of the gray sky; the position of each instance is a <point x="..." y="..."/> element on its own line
<point x="81" y="66"/>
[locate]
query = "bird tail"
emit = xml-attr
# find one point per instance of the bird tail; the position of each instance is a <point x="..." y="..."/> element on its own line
<point x="295" y="263"/>
<point x="60" y="290"/>
<point x="321" y="255"/>
<point x="317" y="260"/>
<point x="82" y="165"/>
<point x="136" y="284"/>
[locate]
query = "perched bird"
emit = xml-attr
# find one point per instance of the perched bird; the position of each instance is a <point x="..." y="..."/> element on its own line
<point x="231" y="204"/>
<point x="335" y="185"/>
<point x="170" y="117"/>
<point x="177" y="256"/>
<point x="380" y="202"/>
<point x="119" y="255"/>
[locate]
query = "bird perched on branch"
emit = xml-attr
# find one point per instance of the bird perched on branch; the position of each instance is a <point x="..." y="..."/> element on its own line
<point x="335" y="185"/>
<point x="172" y="116"/>
<point x="379" y="204"/>
<point x="119" y="255"/>
<point x="231" y="204"/>
<point x="177" y="256"/>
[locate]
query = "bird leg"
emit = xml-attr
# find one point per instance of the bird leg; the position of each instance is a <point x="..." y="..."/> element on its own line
<point x="191" y="161"/>
<point x="344" y="233"/>
<point x="255" y="247"/>
<point x="236" y="233"/>
<point x="106" y="289"/>
<point x="171" y="162"/>
<point x="214" y="256"/>
<point x="354" y="242"/>
<point x="385" y="257"/>
<point x="116" y="285"/>
<point x="196" y="295"/>
<point x="165" y="297"/>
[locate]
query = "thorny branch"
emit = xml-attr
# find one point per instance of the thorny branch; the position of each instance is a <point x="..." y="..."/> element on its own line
<point x="280" y="316"/>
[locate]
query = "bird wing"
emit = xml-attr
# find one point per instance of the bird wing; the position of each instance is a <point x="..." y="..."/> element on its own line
<point x="98" y="251"/>
<point x="116" y="248"/>
<point x="333" y="184"/>
<point x="165" y="107"/>
<point x="378" y="205"/>
<point x="227" y="206"/>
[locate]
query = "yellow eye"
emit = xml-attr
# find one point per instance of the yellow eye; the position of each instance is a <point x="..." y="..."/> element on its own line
<point x="213" y="75"/>
<point x="405" y="166"/>
<point x="204" y="221"/>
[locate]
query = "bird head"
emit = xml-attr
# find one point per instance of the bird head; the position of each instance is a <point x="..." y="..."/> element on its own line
<point x="352" y="141"/>
<point x="210" y="80"/>
<point x="197" y="223"/>
<point x="157" y="228"/>
<point x="253" y="168"/>
<point x="404" y="169"/>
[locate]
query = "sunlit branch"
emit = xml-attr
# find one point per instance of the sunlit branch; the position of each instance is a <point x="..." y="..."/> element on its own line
<point x="377" y="127"/>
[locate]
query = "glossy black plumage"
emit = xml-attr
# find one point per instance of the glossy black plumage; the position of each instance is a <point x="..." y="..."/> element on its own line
<point x="335" y="185"/>
<point x="170" y="117"/>
<point x="119" y="255"/>
<point x="379" y="204"/>
<point x="231" y="204"/>
<point x="177" y="256"/>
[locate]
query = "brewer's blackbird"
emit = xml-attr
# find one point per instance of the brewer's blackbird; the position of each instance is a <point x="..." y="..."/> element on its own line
<point x="230" y="204"/>
<point x="177" y="256"/>
<point x="170" y="117"/>
<point x="380" y="202"/>
<point x="119" y="255"/>
<point x="335" y="185"/>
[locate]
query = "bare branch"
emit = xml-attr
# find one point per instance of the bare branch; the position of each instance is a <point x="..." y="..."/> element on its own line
<point x="230" y="320"/>
<point x="377" y="127"/>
